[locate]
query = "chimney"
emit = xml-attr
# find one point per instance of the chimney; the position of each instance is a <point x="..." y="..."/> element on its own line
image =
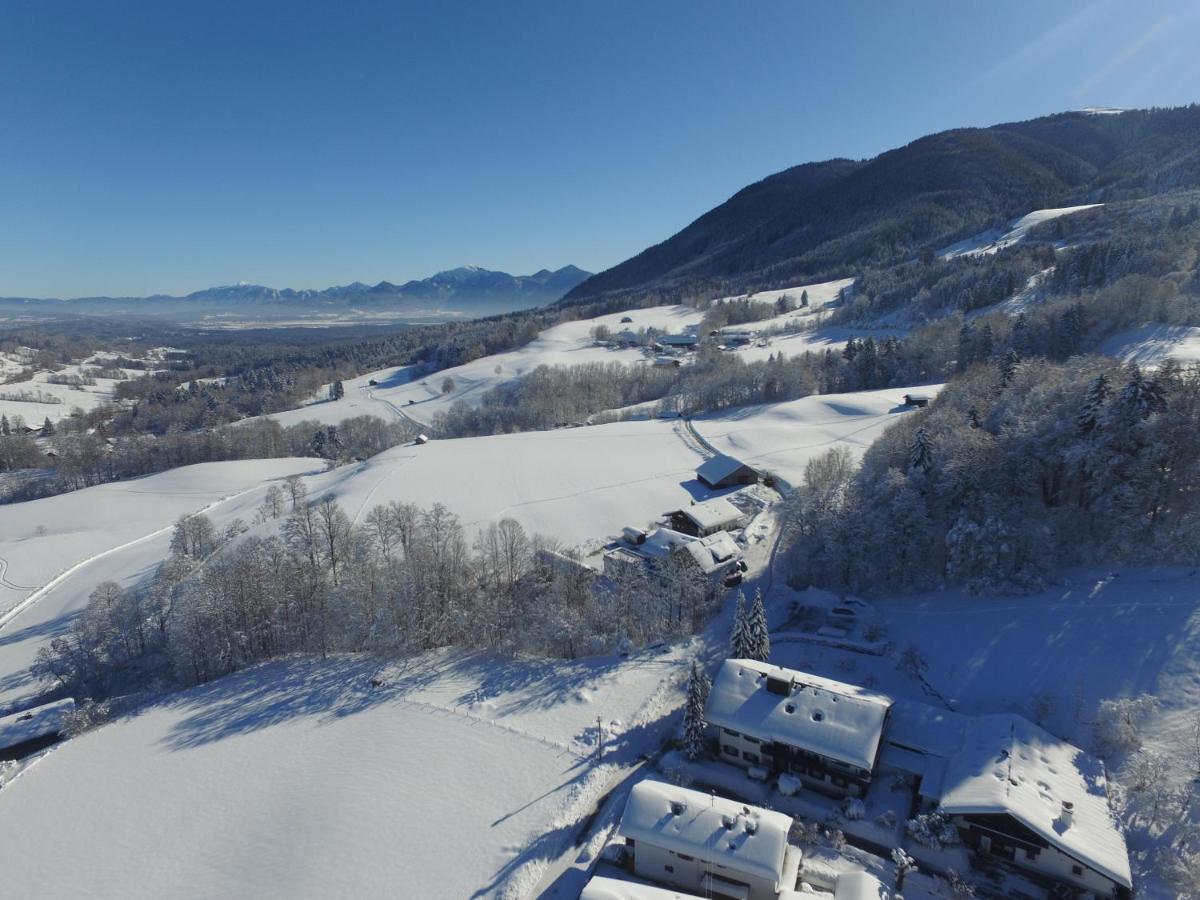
<point x="1067" y="815"/>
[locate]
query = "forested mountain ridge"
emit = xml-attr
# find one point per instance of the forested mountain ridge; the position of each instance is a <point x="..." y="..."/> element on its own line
<point x="822" y="220"/>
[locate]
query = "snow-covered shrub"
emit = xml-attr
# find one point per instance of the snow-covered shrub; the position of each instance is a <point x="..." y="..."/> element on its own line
<point x="1117" y="726"/>
<point x="959" y="886"/>
<point x="854" y="809"/>
<point x="837" y="840"/>
<point x="886" y="819"/>
<point x="933" y="830"/>
<point x="87" y="715"/>
<point x="806" y="832"/>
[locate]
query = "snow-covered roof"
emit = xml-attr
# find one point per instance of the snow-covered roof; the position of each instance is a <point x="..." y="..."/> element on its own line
<point x="838" y="721"/>
<point x="926" y="729"/>
<point x="678" y="340"/>
<point x="858" y="886"/>
<point x="662" y="542"/>
<point x="710" y="828"/>
<point x="1008" y="765"/>
<point x="713" y="552"/>
<point x="712" y="513"/>
<point x="719" y="467"/>
<point x="602" y="888"/>
<point x="34" y="723"/>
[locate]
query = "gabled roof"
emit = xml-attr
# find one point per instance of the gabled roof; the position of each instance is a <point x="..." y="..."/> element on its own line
<point x="713" y="552"/>
<point x="1008" y="765"/>
<point x="34" y="723"/>
<point x="719" y="467"/>
<point x="712" y="513"/>
<point x="838" y="721"/>
<point x="601" y="888"/>
<point x="713" y="829"/>
<point x="859" y="886"/>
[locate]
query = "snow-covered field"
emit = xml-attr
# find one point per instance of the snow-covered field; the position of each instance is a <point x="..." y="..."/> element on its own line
<point x="782" y="437"/>
<point x="997" y="239"/>
<point x="453" y="778"/>
<point x="54" y="551"/>
<point x="60" y="399"/>
<point x="1152" y="345"/>
<point x="397" y="393"/>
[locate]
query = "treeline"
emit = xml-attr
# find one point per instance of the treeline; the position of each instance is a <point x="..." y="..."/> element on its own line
<point x="1016" y="470"/>
<point x="405" y="579"/>
<point x="79" y="459"/>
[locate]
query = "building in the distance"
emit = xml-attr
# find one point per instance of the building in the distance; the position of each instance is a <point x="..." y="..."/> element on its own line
<point x="826" y="733"/>
<point x="724" y="471"/>
<point x="709" y="517"/>
<point x="707" y="844"/>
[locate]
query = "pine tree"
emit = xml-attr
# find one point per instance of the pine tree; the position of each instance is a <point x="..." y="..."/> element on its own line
<point x="694" y="724"/>
<point x="1008" y="367"/>
<point x="803" y="299"/>
<point x="760" y="634"/>
<point x="1092" y="411"/>
<point x="739" y="641"/>
<point x="47" y="427"/>
<point x="920" y="455"/>
<point x="973" y="418"/>
<point x="337" y="391"/>
<point x="5" y="428"/>
<point x="1142" y="395"/>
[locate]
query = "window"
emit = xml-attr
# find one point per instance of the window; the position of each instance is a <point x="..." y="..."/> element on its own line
<point x="752" y="740"/>
<point x="732" y="751"/>
<point x="1031" y="854"/>
<point x="1076" y="870"/>
<point x="732" y="733"/>
<point x="670" y="869"/>
<point x="749" y="757"/>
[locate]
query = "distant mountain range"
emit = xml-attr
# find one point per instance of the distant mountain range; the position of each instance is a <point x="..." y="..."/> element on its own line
<point x="830" y="219"/>
<point x="468" y="291"/>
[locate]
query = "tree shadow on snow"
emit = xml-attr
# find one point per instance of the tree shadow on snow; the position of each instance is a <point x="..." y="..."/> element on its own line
<point x="275" y="692"/>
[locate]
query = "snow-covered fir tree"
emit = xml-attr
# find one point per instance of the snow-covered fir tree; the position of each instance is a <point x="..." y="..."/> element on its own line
<point x="759" y="634"/>
<point x="920" y="456"/>
<point x="1008" y="367"/>
<point x="1142" y="394"/>
<point x="1092" y="411"/>
<point x="694" y="723"/>
<point x="739" y="640"/>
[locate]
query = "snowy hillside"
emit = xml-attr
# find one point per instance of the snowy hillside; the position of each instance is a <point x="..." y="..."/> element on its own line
<point x="54" y="551"/>
<point x="37" y="398"/>
<point x="995" y="240"/>
<point x="397" y="393"/>
<point x="1152" y="345"/>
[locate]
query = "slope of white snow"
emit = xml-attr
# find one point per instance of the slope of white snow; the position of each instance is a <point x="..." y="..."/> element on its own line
<point x="54" y="551"/>
<point x="782" y="437"/>
<point x="397" y="393"/>
<point x="300" y="779"/>
<point x="1152" y="345"/>
<point x="995" y="239"/>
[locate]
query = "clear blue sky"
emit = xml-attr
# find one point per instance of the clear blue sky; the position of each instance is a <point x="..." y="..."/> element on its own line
<point x="167" y="146"/>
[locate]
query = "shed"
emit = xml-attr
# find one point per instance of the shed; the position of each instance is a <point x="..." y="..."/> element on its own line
<point x="702" y="519"/>
<point x="725" y="471"/>
<point x="686" y="341"/>
<point x="421" y="439"/>
<point x="916" y="399"/>
<point x="30" y="730"/>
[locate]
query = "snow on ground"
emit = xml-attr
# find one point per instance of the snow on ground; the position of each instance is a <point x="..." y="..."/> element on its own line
<point x="996" y="239"/>
<point x="817" y="340"/>
<point x="300" y="779"/>
<point x="575" y="484"/>
<point x="1152" y="345"/>
<point x="819" y="294"/>
<point x="54" y="401"/>
<point x="54" y="551"/>
<point x="782" y="437"/>
<point x="567" y="344"/>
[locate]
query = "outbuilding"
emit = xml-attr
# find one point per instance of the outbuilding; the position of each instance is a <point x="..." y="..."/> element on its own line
<point x="709" y="517"/>
<point x="707" y="844"/>
<point x="921" y="400"/>
<point x="725" y="471"/>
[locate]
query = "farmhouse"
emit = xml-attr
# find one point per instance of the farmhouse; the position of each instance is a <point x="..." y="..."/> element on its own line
<point x="709" y="517"/>
<point x="1019" y="794"/>
<point x="916" y="399"/>
<point x="825" y="733"/>
<point x="32" y="729"/>
<point x="724" y="471"/>
<point x="682" y="341"/>
<point x="707" y="844"/>
<point x="716" y="555"/>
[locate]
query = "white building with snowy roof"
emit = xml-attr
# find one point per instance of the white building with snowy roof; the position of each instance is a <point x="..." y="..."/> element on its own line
<point x="826" y="733"/>
<point x="715" y="555"/>
<point x="1019" y="794"/>
<point x="709" y="517"/>
<point x="604" y="888"/>
<point x="708" y="844"/>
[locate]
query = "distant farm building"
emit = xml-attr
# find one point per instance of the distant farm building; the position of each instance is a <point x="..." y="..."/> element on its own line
<point x="421" y="439"/>
<point x="27" y="732"/>
<point x="667" y="361"/>
<point x="916" y="399"/>
<point x="681" y="341"/>
<point x="707" y="844"/>
<point x="709" y="517"/>
<point x="717" y="556"/>
<point x="724" y="471"/>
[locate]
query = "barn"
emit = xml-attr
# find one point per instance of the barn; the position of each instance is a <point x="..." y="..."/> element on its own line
<point x="725" y="471"/>
<point x="709" y="517"/>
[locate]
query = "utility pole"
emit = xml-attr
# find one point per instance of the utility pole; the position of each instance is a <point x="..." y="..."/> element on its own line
<point x="599" y="741"/>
